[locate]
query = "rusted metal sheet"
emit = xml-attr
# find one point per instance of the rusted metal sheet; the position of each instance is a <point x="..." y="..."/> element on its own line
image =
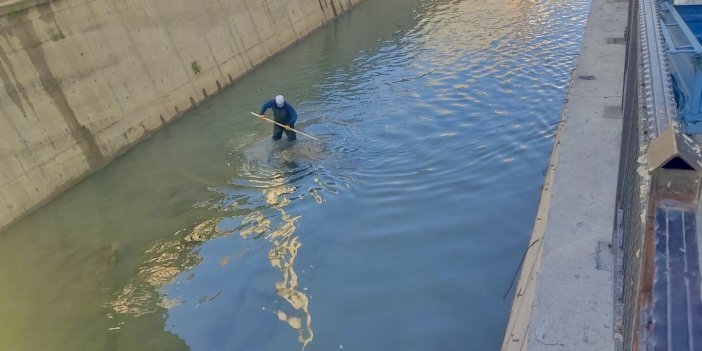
<point x="672" y="312"/>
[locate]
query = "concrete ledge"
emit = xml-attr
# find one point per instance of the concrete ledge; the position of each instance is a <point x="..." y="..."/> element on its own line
<point x="516" y="334"/>
<point x="564" y="297"/>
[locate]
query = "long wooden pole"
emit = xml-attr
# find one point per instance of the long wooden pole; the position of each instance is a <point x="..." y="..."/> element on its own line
<point x="263" y="117"/>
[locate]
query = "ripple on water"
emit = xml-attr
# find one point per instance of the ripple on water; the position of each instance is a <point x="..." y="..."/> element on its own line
<point x="436" y="120"/>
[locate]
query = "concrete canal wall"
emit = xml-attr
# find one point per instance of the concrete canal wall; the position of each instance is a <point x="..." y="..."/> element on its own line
<point x="84" y="80"/>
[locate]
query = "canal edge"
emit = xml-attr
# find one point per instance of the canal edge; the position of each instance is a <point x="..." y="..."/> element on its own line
<point x="520" y="312"/>
<point x="564" y="299"/>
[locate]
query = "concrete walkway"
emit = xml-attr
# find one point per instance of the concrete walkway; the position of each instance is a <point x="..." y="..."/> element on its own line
<point x="564" y="298"/>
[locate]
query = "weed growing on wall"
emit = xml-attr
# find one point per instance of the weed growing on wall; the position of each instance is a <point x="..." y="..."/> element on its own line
<point x="196" y="67"/>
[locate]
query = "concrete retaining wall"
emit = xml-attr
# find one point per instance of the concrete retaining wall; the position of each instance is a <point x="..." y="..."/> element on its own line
<point x="83" y="80"/>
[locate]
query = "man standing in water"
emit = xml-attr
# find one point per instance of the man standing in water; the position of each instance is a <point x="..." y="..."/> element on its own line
<point x="283" y="113"/>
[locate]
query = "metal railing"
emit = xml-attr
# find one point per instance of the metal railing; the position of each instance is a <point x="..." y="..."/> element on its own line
<point x="654" y="33"/>
<point x="630" y="227"/>
<point x="648" y="109"/>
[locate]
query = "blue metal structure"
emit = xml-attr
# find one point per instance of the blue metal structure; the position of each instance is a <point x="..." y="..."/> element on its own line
<point x="682" y="32"/>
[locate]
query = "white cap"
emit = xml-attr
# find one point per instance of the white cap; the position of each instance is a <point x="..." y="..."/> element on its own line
<point x="280" y="100"/>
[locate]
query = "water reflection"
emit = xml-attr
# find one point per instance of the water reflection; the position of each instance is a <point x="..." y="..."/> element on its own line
<point x="271" y="168"/>
<point x="285" y="246"/>
<point x="165" y="261"/>
<point x="278" y="169"/>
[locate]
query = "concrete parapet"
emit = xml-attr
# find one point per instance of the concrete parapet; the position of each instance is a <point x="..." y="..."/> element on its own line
<point x="84" y="80"/>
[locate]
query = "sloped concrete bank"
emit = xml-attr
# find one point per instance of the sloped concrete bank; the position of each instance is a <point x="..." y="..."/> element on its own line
<point x="84" y="80"/>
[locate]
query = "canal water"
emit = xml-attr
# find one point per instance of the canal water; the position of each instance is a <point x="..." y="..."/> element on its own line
<point x="400" y="230"/>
